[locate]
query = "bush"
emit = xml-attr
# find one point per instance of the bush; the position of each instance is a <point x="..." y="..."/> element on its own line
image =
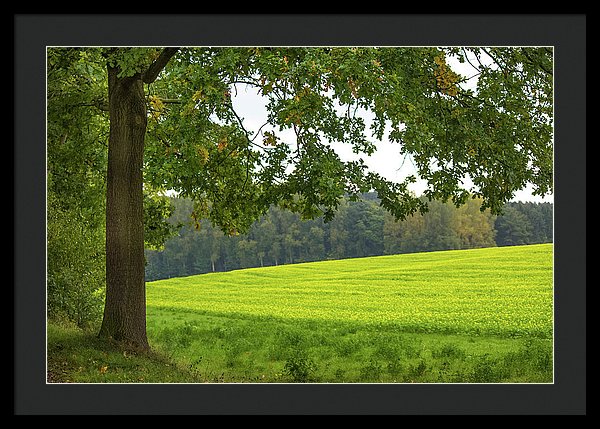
<point x="486" y="370"/>
<point x="76" y="267"/>
<point x="532" y="359"/>
<point x="299" y="366"/>
<point x="449" y="351"/>
<point x="371" y="372"/>
<point x="418" y="370"/>
<point x="395" y="367"/>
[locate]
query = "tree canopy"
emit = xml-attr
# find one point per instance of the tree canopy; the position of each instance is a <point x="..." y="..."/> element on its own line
<point x="499" y="135"/>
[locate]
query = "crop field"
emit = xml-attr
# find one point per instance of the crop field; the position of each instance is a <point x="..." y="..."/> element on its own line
<point x="480" y="315"/>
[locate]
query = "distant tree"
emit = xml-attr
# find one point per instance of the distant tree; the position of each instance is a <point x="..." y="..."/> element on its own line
<point x="291" y="243"/>
<point x="525" y="223"/>
<point x="364" y="224"/>
<point x="547" y="215"/>
<point x="474" y="227"/>
<point x="247" y="249"/>
<point x="441" y="223"/>
<point x="338" y="233"/>
<point x="265" y="233"/>
<point x="443" y="227"/>
<point x="216" y="246"/>
<point x="513" y="227"/>
<point x="313" y="244"/>
<point x="540" y="217"/>
<point x="230" y="252"/>
<point x="391" y="234"/>
<point x="404" y="236"/>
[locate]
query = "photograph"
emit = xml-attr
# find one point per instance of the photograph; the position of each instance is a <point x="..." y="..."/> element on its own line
<point x="300" y="214"/>
<point x="279" y="214"/>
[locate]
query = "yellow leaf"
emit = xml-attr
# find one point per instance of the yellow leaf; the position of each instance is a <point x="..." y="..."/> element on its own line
<point x="197" y="95"/>
<point x="202" y="154"/>
<point x="103" y="369"/>
<point x="156" y="103"/>
<point x="269" y="139"/>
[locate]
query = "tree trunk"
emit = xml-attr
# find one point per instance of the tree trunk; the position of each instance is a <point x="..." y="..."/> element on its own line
<point x="125" y="307"/>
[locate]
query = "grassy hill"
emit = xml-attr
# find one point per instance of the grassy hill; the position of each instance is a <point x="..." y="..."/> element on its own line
<point x="480" y="315"/>
<point x="506" y="291"/>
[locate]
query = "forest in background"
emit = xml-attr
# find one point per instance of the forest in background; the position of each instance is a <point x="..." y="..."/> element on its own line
<point x="360" y="228"/>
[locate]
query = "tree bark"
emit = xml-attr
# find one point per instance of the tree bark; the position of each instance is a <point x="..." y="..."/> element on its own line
<point x="124" y="317"/>
<point x="125" y="306"/>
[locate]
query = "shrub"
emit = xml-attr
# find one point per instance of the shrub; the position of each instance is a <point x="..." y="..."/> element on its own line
<point x="76" y="267"/>
<point x="346" y="347"/>
<point x="486" y="370"/>
<point x="395" y="367"/>
<point x="299" y="366"/>
<point x="418" y="370"/>
<point x="448" y="351"/>
<point x="371" y="372"/>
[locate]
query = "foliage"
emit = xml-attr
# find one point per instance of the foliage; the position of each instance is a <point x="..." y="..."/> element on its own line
<point x="75" y="278"/>
<point x="498" y="135"/>
<point x="157" y="210"/>
<point x="525" y="223"/>
<point x="508" y="112"/>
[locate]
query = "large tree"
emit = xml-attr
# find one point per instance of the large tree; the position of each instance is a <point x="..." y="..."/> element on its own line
<point x="173" y="125"/>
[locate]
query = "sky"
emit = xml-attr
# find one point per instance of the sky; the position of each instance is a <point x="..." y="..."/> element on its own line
<point x="387" y="159"/>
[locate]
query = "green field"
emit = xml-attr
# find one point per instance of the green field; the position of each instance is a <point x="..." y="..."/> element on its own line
<point x="481" y="315"/>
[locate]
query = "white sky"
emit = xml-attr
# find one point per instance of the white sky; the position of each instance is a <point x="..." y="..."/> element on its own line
<point x="386" y="161"/>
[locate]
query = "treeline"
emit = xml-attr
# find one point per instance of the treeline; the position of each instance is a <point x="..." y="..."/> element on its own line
<point x="360" y="228"/>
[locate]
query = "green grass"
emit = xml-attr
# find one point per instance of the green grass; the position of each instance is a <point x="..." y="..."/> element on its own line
<point x="79" y="356"/>
<point x="505" y="291"/>
<point x="226" y="349"/>
<point x="481" y="315"/>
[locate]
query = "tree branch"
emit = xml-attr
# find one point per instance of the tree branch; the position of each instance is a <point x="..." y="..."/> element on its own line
<point x="539" y="64"/>
<point x="488" y="53"/>
<point x="156" y="67"/>
<point x="469" y="61"/>
<point x="246" y="132"/>
<point x="100" y="104"/>
<point x="170" y="100"/>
